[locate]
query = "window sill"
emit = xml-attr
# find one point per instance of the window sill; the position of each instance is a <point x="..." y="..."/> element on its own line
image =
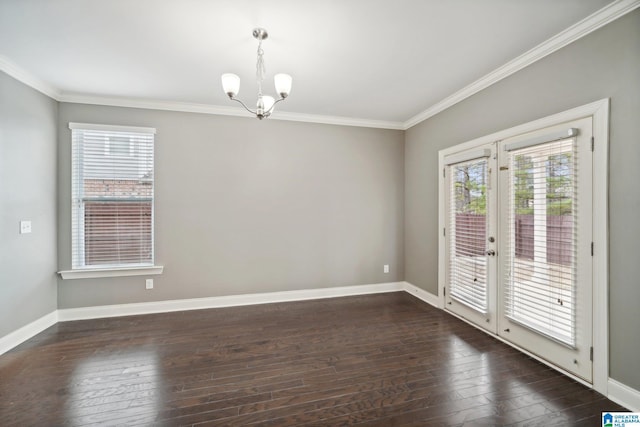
<point x="95" y="273"/>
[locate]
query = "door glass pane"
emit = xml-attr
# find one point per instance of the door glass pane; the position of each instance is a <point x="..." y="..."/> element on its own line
<point x="540" y="282"/>
<point x="468" y="224"/>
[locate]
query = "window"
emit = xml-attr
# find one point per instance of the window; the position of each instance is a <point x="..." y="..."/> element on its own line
<point x="112" y="196"/>
<point x="468" y="223"/>
<point x="540" y="283"/>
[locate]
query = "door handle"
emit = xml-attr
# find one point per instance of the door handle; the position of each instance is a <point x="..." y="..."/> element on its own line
<point x="491" y="252"/>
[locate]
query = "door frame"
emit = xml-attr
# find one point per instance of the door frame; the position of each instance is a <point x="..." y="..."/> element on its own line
<point x="599" y="111"/>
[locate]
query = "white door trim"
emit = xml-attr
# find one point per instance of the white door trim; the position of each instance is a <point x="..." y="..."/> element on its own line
<point x="599" y="110"/>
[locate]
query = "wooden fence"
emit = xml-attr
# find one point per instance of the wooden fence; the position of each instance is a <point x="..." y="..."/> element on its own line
<point x="559" y="238"/>
<point x="117" y="232"/>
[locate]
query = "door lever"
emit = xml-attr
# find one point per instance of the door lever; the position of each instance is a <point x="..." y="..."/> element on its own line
<point x="491" y="252"/>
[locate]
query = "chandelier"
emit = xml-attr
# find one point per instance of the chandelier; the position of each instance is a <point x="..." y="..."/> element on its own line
<point x="265" y="103"/>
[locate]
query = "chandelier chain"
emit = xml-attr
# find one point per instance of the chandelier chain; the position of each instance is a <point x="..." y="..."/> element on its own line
<point x="260" y="68"/>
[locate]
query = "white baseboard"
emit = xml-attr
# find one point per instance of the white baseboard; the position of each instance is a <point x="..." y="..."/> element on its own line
<point x="224" y="301"/>
<point x="423" y="295"/>
<point x="624" y="395"/>
<point x="19" y="336"/>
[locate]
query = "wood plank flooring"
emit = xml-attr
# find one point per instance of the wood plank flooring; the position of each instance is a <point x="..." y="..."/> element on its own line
<point x="374" y="360"/>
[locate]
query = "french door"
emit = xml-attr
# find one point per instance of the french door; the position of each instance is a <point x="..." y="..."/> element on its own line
<point x="470" y="198"/>
<point x="518" y="215"/>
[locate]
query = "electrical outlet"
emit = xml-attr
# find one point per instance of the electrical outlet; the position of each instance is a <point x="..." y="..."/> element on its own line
<point x="25" y="227"/>
<point x="386" y="268"/>
<point x="149" y="283"/>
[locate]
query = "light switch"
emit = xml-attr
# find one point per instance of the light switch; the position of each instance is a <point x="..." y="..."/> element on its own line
<point x="25" y="227"/>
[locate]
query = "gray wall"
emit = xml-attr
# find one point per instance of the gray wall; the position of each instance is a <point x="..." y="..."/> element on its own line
<point x="28" y="286"/>
<point x="244" y="206"/>
<point x="603" y="64"/>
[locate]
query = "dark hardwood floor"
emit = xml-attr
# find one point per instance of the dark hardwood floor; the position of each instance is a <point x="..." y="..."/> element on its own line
<point x="375" y="360"/>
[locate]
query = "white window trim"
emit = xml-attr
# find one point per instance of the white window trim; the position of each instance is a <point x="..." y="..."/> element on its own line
<point x="112" y="128"/>
<point x="116" y="271"/>
<point x="95" y="273"/>
<point x="599" y="110"/>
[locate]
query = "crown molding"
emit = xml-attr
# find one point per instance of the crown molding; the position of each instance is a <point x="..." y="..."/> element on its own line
<point x="28" y="78"/>
<point x="337" y="120"/>
<point x="225" y="111"/>
<point x="598" y="19"/>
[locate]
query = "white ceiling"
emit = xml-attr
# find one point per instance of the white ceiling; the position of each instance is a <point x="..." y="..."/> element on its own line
<point x="368" y="59"/>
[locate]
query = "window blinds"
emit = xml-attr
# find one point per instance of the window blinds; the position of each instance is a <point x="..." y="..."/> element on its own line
<point x="112" y="196"/>
<point x="541" y="251"/>
<point x="468" y="221"/>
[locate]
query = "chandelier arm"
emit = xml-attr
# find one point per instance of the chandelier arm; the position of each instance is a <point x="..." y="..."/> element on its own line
<point x="245" y="107"/>
<point x="270" y="110"/>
